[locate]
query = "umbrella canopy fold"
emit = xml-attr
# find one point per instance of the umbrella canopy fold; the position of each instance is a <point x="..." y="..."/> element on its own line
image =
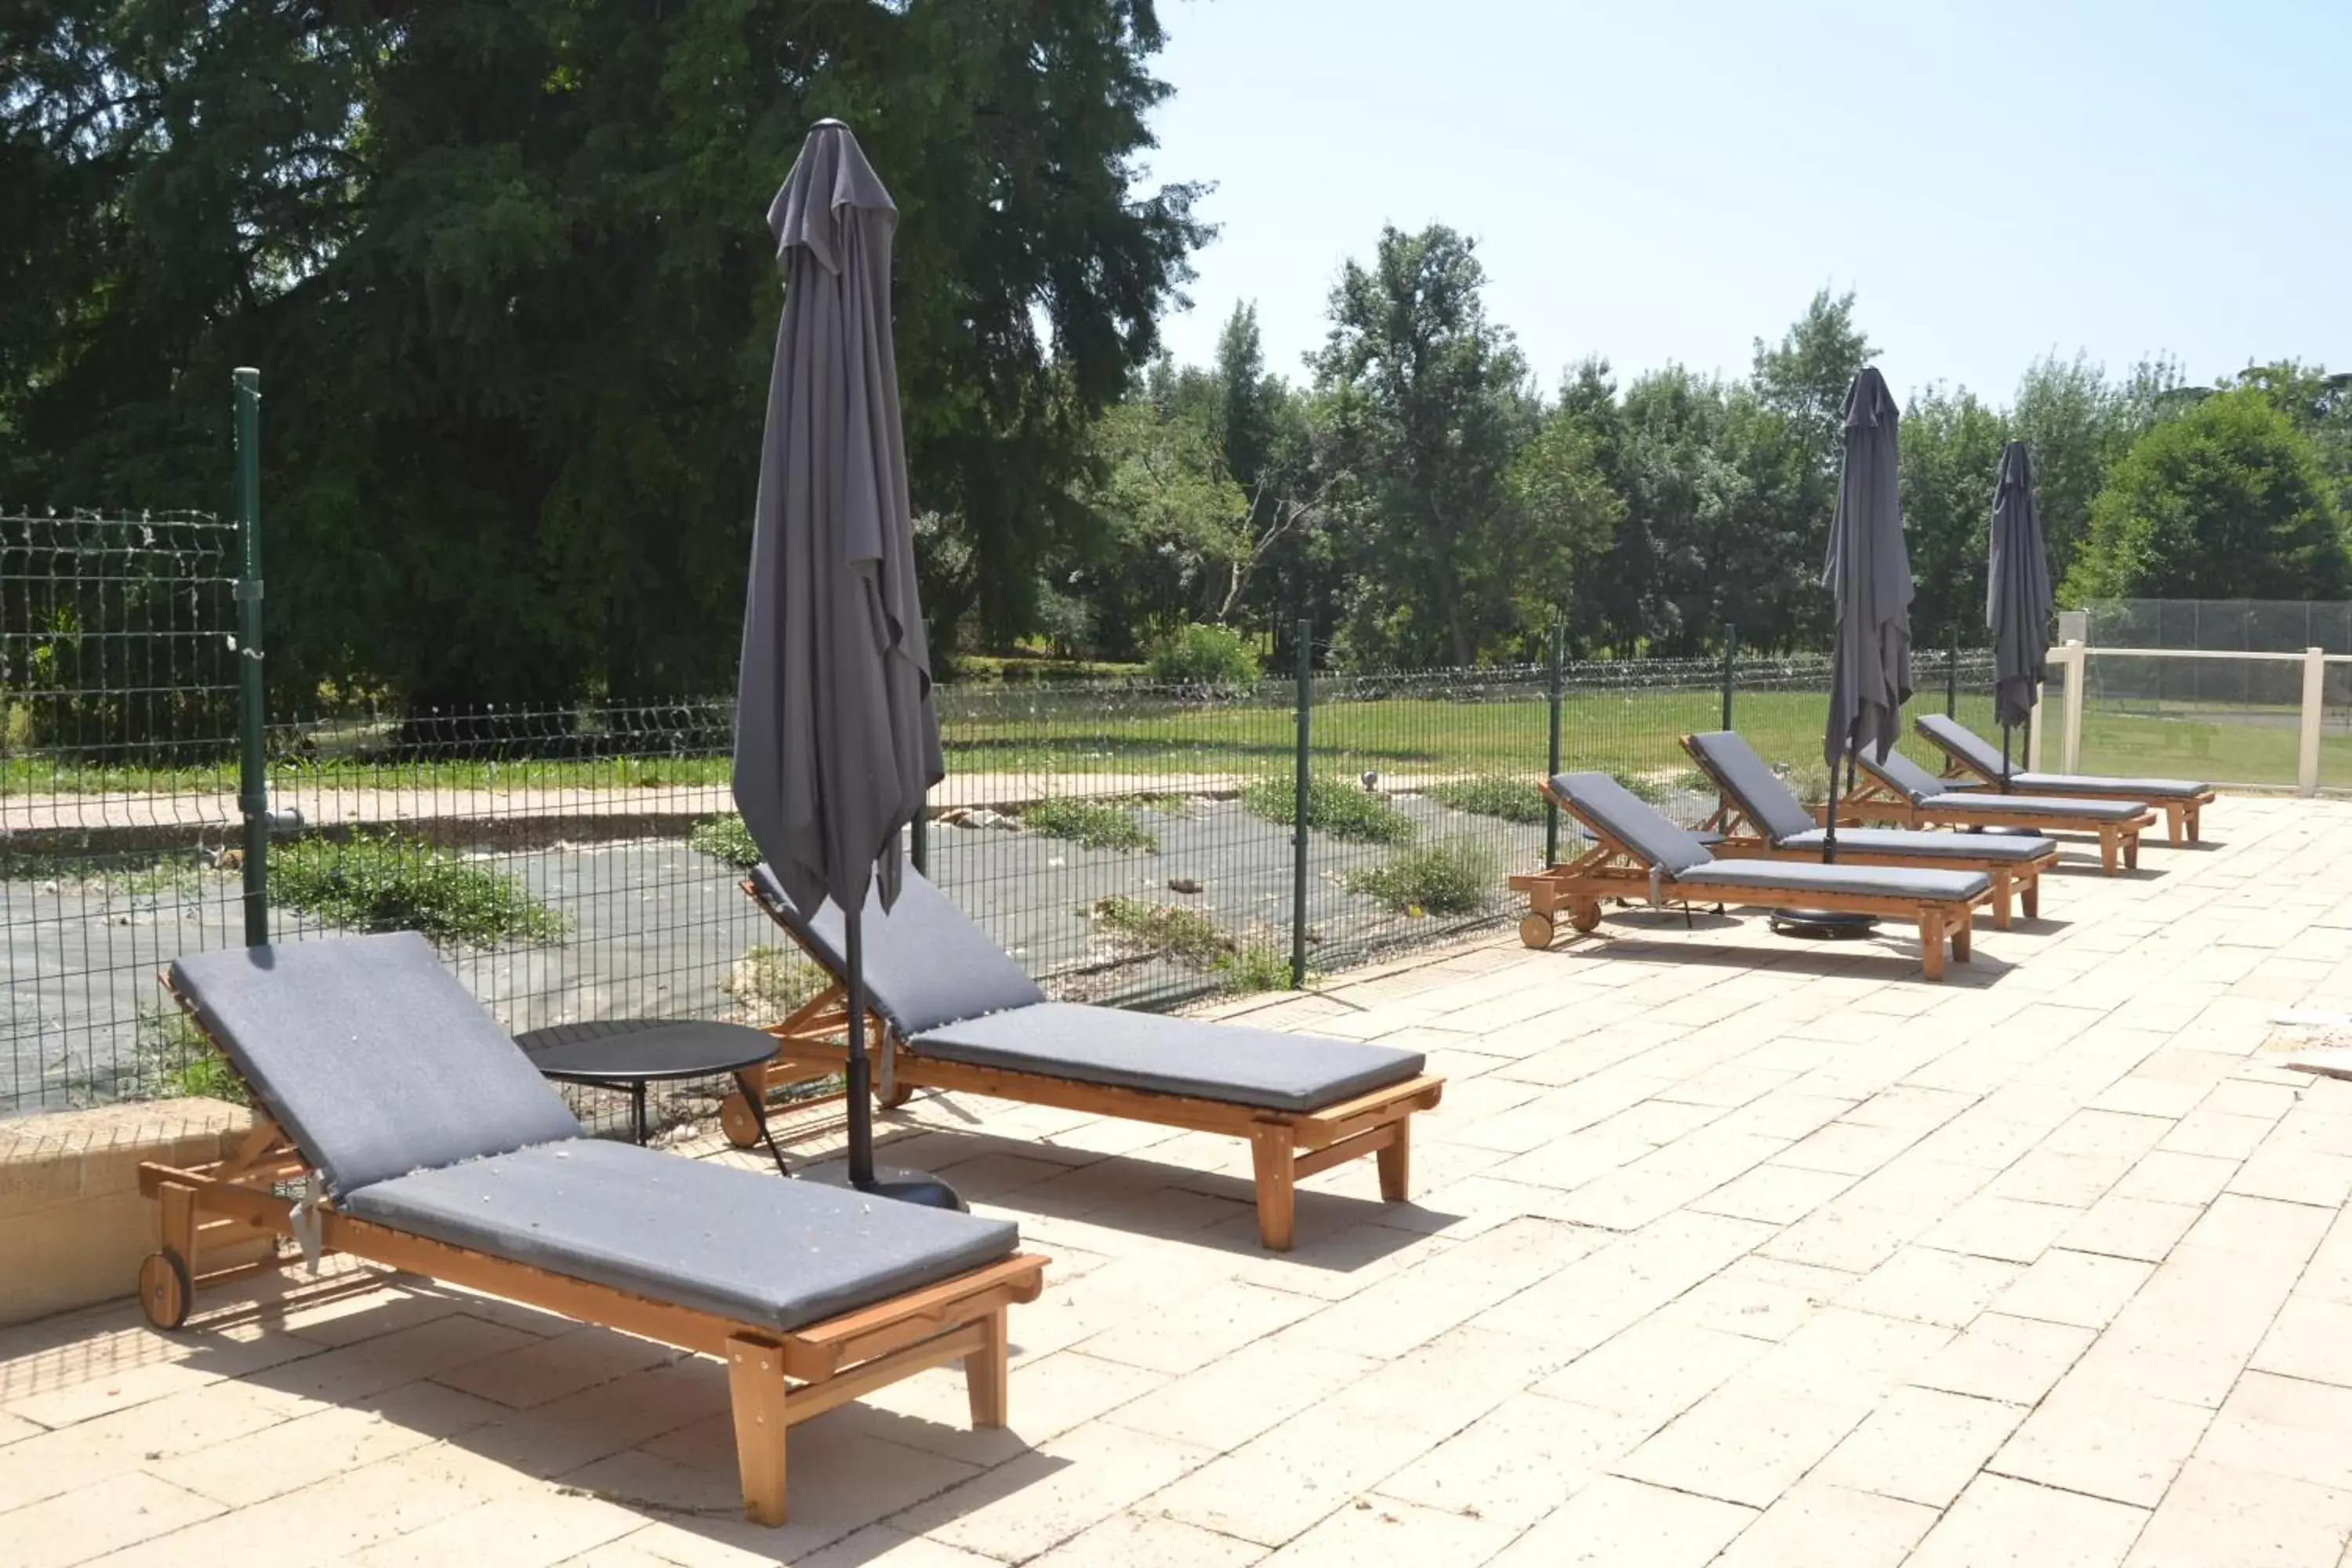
<point x="835" y="738"/>
<point x="1868" y="574"/>
<point x="2019" y="600"/>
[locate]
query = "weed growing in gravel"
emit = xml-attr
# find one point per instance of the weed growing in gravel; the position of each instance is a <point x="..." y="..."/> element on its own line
<point x="769" y="982"/>
<point x="1090" y="824"/>
<point x="1170" y="929"/>
<point x="1511" y="798"/>
<point x="180" y="1061"/>
<point x="388" y="882"/>
<point x="1451" y="877"/>
<point x="1258" y="968"/>
<point x="1660" y="788"/>
<point x="1340" y="807"/>
<point x="724" y="837"/>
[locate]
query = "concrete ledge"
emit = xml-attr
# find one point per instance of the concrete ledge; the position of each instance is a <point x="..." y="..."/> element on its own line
<point x="73" y="1225"/>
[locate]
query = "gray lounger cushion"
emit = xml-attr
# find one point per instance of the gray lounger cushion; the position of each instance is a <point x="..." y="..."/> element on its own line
<point x="1983" y="756"/>
<point x="1631" y="821"/>
<point x="1930" y="792"/>
<point x="371" y="1054"/>
<point x="1867" y="881"/>
<point x="1150" y="1051"/>
<point x="926" y="962"/>
<point x="1752" y="785"/>
<point x="1979" y="846"/>
<point x="737" y="1243"/>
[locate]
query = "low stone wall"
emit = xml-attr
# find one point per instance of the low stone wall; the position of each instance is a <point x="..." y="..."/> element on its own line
<point x="73" y="1225"/>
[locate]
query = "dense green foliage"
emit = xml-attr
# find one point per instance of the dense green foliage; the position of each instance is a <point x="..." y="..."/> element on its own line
<point x="1089" y="824"/>
<point x="1340" y="807"/>
<point x="1506" y="795"/>
<point x="1200" y="655"/>
<point x="724" y="837"/>
<point x="387" y="883"/>
<point x="1451" y="876"/>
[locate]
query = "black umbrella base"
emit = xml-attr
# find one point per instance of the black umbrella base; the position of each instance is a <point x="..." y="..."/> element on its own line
<point x="914" y="1187"/>
<point x="1822" y="925"/>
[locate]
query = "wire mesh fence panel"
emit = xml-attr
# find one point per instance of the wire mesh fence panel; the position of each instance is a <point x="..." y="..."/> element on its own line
<point x="118" y="792"/>
<point x="2219" y="719"/>
<point x="2220" y="625"/>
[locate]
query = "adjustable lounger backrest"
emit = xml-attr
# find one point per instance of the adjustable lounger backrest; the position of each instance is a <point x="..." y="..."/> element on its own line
<point x="371" y="1054"/>
<point x="926" y="964"/>
<point x="1960" y="741"/>
<point x="1743" y="775"/>
<point x="1908" y="776"/>
<point x="1618" y="812"/>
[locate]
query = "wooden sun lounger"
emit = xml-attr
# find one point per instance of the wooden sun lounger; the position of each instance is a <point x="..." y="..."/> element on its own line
<point x="1874" y="799"/>
<point x="776" y="1379"/>
<point x="2182" y="811"/>
<point x="1286" y="1146"/>
<point x="2014" y="881"/>
<point x="1614" y="870"/>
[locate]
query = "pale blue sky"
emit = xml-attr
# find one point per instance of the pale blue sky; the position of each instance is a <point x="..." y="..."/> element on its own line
<point x="1668" y="182"/>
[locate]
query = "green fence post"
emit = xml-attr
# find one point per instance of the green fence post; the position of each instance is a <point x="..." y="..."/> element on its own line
<point x="1552" y="765"/>
<point x="1952" y="677"/>
<point x="252" y="714"/>
<point x="1305" y="702"/>
<point x="1731" y="667"/>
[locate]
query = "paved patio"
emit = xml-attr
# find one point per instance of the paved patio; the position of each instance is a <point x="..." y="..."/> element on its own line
<point x="1725" y="1251"/>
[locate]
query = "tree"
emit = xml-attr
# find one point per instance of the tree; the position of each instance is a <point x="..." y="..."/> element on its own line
<point x="2225" y="500"/>
<point x="504" y="271"/>
<point x="2065" y="413"/>
<point x="1950" y="458"/>
<point x="1561" y="516"/>
<point x="1804" y="377"/>
<point x="1428" y="404"/>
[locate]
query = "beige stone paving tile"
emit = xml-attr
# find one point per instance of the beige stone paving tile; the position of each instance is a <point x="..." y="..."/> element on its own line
<point x="2216" y="1517"/>
<point x="368" y="1366"/>
<point x="1654" y="1370"/>
<point x="2004" y="1524"/>
<point x="2284" y="1426"/>
<point x="2107" y="1132"/>
<point x="1569" y="1162"/>
<point x="1668" y="1179"/>
<point x="1413" y="1307"/>
<point x="1382" y="1530"/>
<point x="552" y="1368"/>
<point x="2165" y="1176"/>
<point x="327" y="1442"/>
<point x="1841" y="1352"/>
<point x="564" y="1434"/>
<point x="2005" y="1357"/>
<point x="98" y="1519"/>
<point x="2130" y="1228"/>
<point x="1520" y="1460"/>
<point x="1848" y="1235"/>
<point x="1922" y="1446"/>
<point x="1203" y="1325"/>
<point x="2296" y="1174"/>
<point x="1132" y="1539"/>
<point x="1787" y="1113"/>
<point x="1760" y="1298"/>
<point x="2240" y="1098"/>
<point x="63" y="1391"/>
<point x="2309" y="1339"/>
<point x="627" y="1553"/>
<point x="1608" y="1291"/>
<point x="1728" y="1085"/>
<point x="336" y="1519"/>
<point x="1929" y="1286"/>
<point x="1911" y="1106"/>
<point x="2004" y="1229"/>
<point x="52" y="1462"/>
<point x="1777" y="1195"/>
<point x="2090" y="1435"/>
<point x="1814" y="1525"/>
<point x="1036" y="1502"/>
<point x="1848" y="1148"/>
<point x="2087" y="1289"/>
<point x="1615" y="1522"/>
<point x="529" y="1530"/>
<point x="1657" y="1121"/>
<point x="2217" y="1133"/>
<point x="881" y="1546"/>
<point x="1050" y="1396"/>
<point x="1227" y="1403"/>
<point x="14" y="1429"/>
<point x="1276" y="1485"/>
<point x="1332" y="1263"/>
<point x="2045" y="1176"/>
<point x="1747" y="1442"/>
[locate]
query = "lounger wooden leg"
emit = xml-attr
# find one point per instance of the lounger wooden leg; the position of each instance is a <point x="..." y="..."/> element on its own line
<point x="2002" y="887"/>
<point x="1277" y="1185"/>
<point x="985" y="1374"/>
<point x="2032" y="895"/>
<point x="1963" y="939"/>
<point x="2108" y="844"/>
<point x="176" y="1223"/>
<point x="2172" y="824"/>
<point x="1931" y="944"/>
<point x="2194" y="808"/>
<point x="1395" y="1158"/>
<point x="755" y="1379"/>
<point x="2131" y="851"/>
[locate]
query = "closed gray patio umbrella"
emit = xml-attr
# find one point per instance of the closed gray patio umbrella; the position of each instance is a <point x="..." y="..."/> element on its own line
<point x="1868" y="574"/>
<point x="835" y="740"/>
<point x="2017" y="597"/>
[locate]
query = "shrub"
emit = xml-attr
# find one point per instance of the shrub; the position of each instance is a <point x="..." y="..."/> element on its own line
<point x="1492" y="795"/>
<point x="1340" y="807"/>
<point x="1659" y="788"/>
<point x="1090" y="824"/>
<point x="1202" y="654"/>
<point x="724" y="837"/>
<point x="1451" y="877"/>
<point x="182" y="1061"/>
<point x="769" y="982"/>
<point x="388" y="882"/>
<point x="1170" y="929"/>
<point x="1253" y="968"/>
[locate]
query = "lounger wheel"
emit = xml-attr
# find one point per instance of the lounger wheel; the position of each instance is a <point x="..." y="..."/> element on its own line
<point x="1584" y="914"/>
<point x="899" y="1094"/>
<point x="165" y="1291"/>
<point x="736" y="1120"/>
<point x="1536" y="930"/>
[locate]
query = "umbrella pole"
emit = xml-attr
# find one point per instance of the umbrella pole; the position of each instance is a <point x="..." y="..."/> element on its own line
<point x="2004" y="759"/>
<point x="860" y="1071"/>
<point x="1829" y="820"/>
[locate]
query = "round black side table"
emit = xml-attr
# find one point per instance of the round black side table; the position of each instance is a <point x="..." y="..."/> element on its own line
<point x="630" y="1053"/>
